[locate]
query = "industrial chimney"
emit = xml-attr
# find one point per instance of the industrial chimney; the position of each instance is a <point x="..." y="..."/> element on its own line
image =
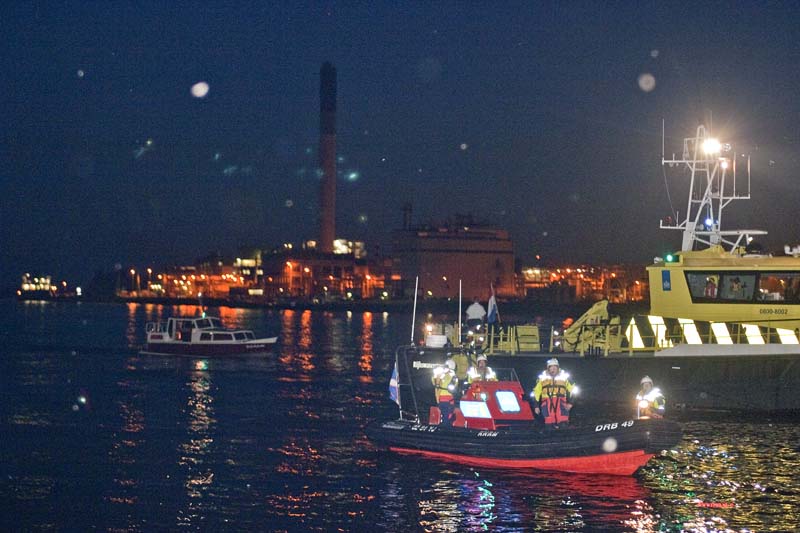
<point x="327" y="157"/>
<point x="407" y="216"/>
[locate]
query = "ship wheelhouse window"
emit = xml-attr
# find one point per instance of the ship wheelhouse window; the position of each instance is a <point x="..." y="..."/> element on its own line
<point x="240" y="336"/>
<point x="721" y="287"/>
<point x="203" y="323"/>
<point x="205" y="336"/>
<point x="739" y="287"/>
<point x="223" y="337"/>
<point x="779" y="287"/>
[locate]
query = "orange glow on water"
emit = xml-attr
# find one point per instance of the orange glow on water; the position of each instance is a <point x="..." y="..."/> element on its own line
<point x="365" y="361"/>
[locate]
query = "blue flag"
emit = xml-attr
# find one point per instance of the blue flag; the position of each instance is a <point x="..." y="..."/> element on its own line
<point x="492" y="315"/>
<point x="394" y="393"/>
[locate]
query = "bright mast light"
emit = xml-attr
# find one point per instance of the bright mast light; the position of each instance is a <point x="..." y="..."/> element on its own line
<point x="711" y="146"/>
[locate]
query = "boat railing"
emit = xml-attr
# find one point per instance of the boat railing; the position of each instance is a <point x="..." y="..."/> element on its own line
<point x="492" y="338"/>
<point x="654" y="333"/>
<point x="406" y="394"/>
<point x="642" y="333"/>
<point x="506" y="374"/>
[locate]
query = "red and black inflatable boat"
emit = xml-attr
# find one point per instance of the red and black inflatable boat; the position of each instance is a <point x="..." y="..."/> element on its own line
<point x="494" y="427"/>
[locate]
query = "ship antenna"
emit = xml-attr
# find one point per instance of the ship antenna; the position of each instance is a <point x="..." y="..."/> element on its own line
<point x="414" y="312"/>
<point x="459" y="312"/>
<point x="664" y="173"/>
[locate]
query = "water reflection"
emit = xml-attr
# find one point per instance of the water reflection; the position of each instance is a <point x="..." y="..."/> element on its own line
<point x="337" y="342"/>
<point x="472" y="500"/>
<point x="195" y="452"/>
<point x="30" y="417"/>
<point x="714" y="482"/>
<point x="365" y="361"/>
<point x="131" y="328"/>
<point x="125" y="447"/>
<point x="299" y="457"/>
<point x="231" y="317"/>
<point x="296" y="347"/>
<point x="277" y="443"/>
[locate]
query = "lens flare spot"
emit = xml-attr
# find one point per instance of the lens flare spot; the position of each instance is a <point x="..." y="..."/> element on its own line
<point x="289" y="203"/>
<point x="647" y="82"/>
<point x="610" y="445"/>
<point x="200" y="89"/>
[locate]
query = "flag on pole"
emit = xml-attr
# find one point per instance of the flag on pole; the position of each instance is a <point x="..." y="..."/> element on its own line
<point x="394" y="393"/>
<point x="493" y="315"/>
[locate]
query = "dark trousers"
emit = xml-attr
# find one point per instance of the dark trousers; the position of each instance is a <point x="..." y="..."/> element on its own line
<point x="447" y="408"/>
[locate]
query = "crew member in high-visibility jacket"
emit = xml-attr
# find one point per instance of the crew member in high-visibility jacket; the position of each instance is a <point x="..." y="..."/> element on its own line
<point x="444" y="385"/>
<point x="553" y="394"/>
<point x="481" y="372"/>
<point x="650" y="402"/>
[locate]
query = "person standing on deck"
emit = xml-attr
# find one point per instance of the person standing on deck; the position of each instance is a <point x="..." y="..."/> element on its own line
<point x="475" y="313"/>
<point x="552" y="395"/>
<point x="481" y="372"/>
<point x="444" y="386"/>
<point x="650" y="402"/>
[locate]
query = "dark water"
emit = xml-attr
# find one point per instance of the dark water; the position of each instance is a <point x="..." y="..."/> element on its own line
<point x="95" y="437"/>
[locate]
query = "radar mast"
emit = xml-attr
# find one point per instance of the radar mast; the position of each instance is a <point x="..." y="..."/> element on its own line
<point x="712" y="187"/>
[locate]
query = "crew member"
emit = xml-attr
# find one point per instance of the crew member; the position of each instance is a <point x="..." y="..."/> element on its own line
<point x="650" y="402"/>
<point x="444" y="386"/>
<point x="475" y="314"/>
<point x="552" y="395"/>
<point x="481" y="372"/>
<point x="463" y="361"/>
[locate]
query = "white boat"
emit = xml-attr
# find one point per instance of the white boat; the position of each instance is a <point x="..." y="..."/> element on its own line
<point x="203" y="337"/>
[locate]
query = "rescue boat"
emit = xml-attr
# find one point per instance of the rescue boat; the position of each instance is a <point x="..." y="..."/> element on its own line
<point x="494" y="427"/>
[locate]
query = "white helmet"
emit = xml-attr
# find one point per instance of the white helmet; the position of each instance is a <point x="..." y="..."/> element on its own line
<point x="553" y="362"/>
<point x="646" y="379"/>
<point x="450" y="364"/>
<point x="480" y="358"/>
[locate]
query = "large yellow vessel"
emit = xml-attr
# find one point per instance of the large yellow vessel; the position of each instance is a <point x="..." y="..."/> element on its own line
<point x="718" y="276"/>
<point x="714" y="285"/>
<point x="723" y="329"/>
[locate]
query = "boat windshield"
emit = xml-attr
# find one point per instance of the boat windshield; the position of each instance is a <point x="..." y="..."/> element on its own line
<point x="240" y="335"/>
<point x="215" y="322"/>
<point x="474" y="409"/>
<point x="508" y="401"/>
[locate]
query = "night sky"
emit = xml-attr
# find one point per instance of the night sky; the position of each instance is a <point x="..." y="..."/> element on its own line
<point x="528" y="115"/>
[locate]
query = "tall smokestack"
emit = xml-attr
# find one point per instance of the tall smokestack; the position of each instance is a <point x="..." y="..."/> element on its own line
<point x="327" y="157"/>
<point x="407" y="216"/>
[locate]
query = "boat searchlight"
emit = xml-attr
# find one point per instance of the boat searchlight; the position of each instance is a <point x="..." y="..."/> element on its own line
<point x="712" y="146"/>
